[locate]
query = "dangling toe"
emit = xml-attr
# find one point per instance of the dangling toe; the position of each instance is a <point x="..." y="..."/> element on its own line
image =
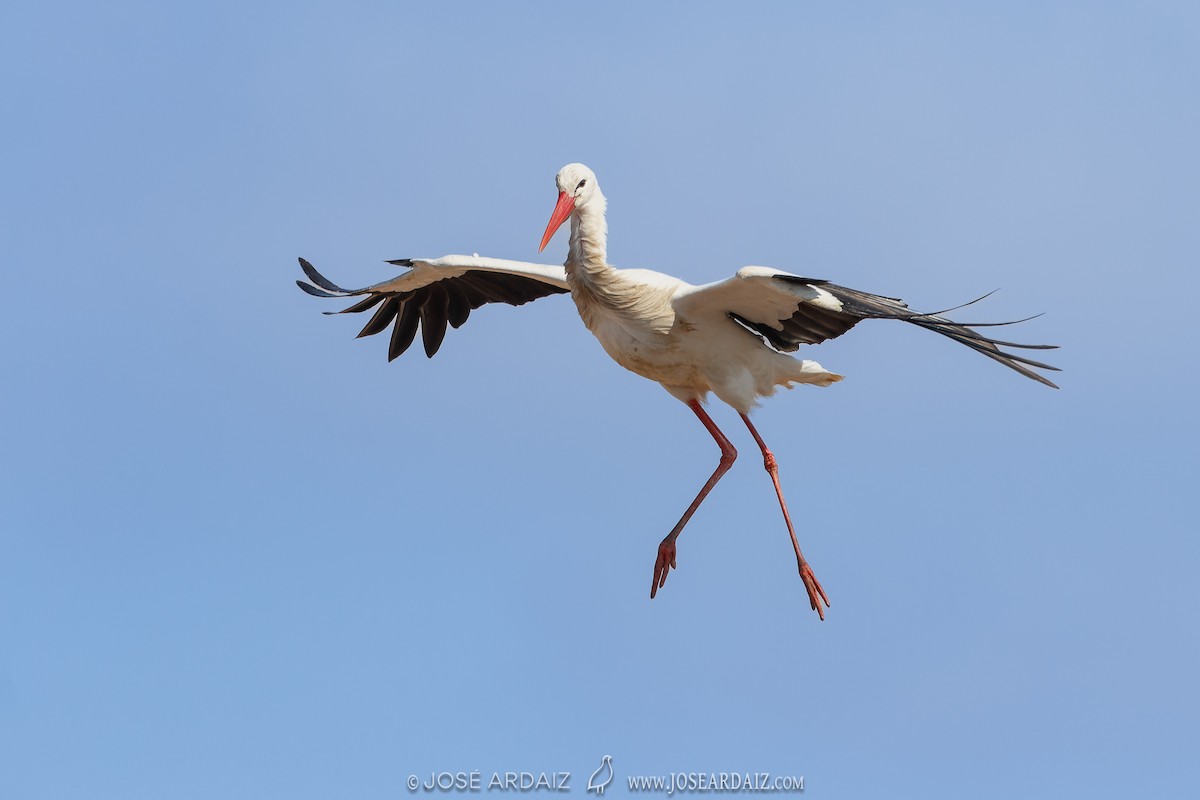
<point x="664" y="564"/>
<point x="816" y="594"/>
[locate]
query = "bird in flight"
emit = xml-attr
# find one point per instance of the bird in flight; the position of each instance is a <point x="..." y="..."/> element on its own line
<point x="730" y="338"/>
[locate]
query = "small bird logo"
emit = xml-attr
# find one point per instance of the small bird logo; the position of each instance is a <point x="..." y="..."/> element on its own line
<point x="602" y="777"/>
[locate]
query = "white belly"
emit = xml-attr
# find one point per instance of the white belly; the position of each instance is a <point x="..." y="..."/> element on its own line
<point x="659" y="357"/>
<point x="638" y="327"/>
<point x="690" y="362"/>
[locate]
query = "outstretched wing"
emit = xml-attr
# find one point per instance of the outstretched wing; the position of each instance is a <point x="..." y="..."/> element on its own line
<point x="787" y="311"/>
<point x="438" y="291"/>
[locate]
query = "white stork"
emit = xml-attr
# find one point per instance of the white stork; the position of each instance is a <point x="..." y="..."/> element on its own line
<point x="730" y="338"/>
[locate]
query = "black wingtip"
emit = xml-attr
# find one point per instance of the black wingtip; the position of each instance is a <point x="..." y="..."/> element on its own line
<point x="321" y="280"/>
<point x="961" y="305"/>
<point x="314" y="291"/>
<point x="400" y="262"/>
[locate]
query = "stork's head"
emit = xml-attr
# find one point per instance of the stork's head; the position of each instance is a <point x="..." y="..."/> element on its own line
<point x="576" y="189"/>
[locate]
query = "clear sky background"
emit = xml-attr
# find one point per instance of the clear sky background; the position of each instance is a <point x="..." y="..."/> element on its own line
<point x="245" y="557"/>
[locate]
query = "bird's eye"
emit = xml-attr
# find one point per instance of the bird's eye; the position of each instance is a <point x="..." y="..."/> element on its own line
<point x="581" y="183"/>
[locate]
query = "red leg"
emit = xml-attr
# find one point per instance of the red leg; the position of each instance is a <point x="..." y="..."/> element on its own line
<point x="815" y="593"/>
<point x="666" y="549"/>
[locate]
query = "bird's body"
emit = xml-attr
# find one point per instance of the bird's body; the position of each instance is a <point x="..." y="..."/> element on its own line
<point x="660" y="327"/>
<point x="729" y="338"/>
<point x="689" y="348"/>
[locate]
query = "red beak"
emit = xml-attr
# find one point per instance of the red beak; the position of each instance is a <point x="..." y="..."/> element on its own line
<point x="566" y="204"/>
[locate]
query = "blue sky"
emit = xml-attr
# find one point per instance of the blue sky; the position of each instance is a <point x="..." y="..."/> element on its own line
<point x="245" y="557"/>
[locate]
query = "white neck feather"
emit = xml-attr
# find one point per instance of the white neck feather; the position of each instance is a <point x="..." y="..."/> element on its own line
<point x="604" y="293"/>
<point x="588" y="256"/>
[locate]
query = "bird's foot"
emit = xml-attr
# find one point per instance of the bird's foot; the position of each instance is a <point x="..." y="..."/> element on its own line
<point x="666" y="560"/>
<point x="815" y="593"/>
